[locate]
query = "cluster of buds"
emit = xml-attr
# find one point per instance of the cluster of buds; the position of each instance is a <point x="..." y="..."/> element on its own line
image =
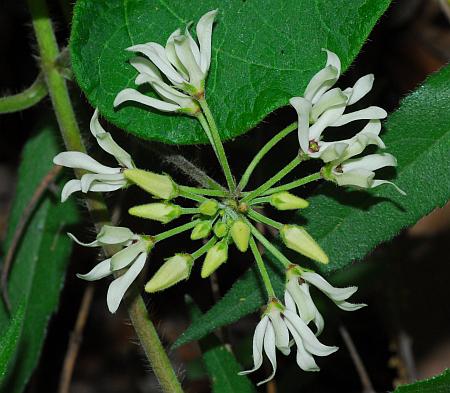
<point x="224" y="217"/>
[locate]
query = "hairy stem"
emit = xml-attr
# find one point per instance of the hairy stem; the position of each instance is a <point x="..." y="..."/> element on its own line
<point x="25" y="99"/>
<point x="218" y="146"/>
<point x="203" y="191"/>
<point x="197" y="254"/>
<point x="175" y="231"/>
<point x="265" y="149"/>
<point x="262" y="269"/>
<point x="263" y="219"/>
<point x="59" y="94"/>
<point x="293" y="184"/>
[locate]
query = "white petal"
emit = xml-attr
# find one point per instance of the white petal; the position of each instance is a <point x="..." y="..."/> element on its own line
<point x="372" y="162"/>
<point x="119" y="286"/>
<point x="146" y="67"/>
<point x="95" y="243"/>
<point x="310" y="341"/>
<point x="157" y="54"/>
<point x="302" y="300"/>
<point x="334" y="293"/>
<point x="333" y="60"/>
<point x="289" y="302"/>
<point x="89" y="178"/>
<point x="377" y="183"/>
<point x="328" y="118"/>
<point x="269" y="349"/>
<point x="172" y="95"/>
<point x="350" y="306"/>
<point x="281" y="332"/>
<point x="317" y="319"/>
<point x="184" y="53"/>
<point x="204" y="32"/>
<point x="69" y="188"/>
<point x="114" y="235"/>
<point x="320" y="83"/>
<point x="76" y="159"/>
<point x="192" y="45"/>
<point x="362" y="86"/>
<point x="258" y="339"/>
<point x="303" y="108"/>
<point x="372" y="112"/>
<point x="362" y="178"/>
<point x="126" y="256"/>
<point x="101" y="270"/>
<point x="107" y="187"/>
<point x="331" y="151"/>
<point x="134" y="95"/>
<point x="107" y="143"/>
<point x="331" y="98"/>
<point x="304" y="359"/>
<point x="172" y="55"/>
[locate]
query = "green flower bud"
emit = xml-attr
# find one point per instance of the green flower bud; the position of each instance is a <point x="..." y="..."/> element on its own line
<point x="220" y="229"/>
<point x="162" y="212"/>
<point x="201" y="230"/>
<point x="215" y="256"/>
<point x="296" y="238"/>
<point x="287" y="201"/>
<point x="161" y="186"/>
<point x="240" y="232"/>
<point x="209" y="207"/>
<point x="173" y="271"/>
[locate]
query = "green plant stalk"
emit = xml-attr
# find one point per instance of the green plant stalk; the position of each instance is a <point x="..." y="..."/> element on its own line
<point x="175" y="231"/>
<point x="264" y="150"/>
<point x="262" y="269"/>
<point x="274" y="179"/>
<point x="263" y="219"/>
<point x="197" y="254"/>
<point x="257" y="201"/>
<point x="269" y="246"/>
<point x="192" y="196"/>
<point x="25" y="99"/>
<point x="204" y="123"/>
<point x="293" y="184"/>
<point x="59" y="94"/>
<point x="220" y="152"/>
<point x="203" y="191"/>
<point x="190" y="210"/>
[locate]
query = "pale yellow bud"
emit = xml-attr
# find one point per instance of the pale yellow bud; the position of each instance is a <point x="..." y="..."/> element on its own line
<point x="215" y="256"/>
<point x="296" y="238"/>
<point x="240" y="233"/>
<point x="220" y="229"/>
<point x="201" y="230"/>
<point x="287" y="201"/>
<point x="162" y="212"/>
<point x="209" y="207"/>
<point x="161" y="186"/>
<point x="173" y="271"/>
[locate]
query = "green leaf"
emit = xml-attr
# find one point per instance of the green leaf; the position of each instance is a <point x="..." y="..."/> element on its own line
<point x="221" y="365"/>
<point x="39" y="266"/>
<point x="264" y="53"/>
<point x="349" y="224"/>
<point x="437" y="384"/>
<point x="9" y="341"/>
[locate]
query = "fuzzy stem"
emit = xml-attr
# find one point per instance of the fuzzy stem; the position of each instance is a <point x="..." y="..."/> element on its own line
<point x="274" y="179"/>
<point x="59" y="94"/>
<point x="197" y="254"/>
<point x="204" y="191"/>
<point x="257" y="201"/>
<point x="262" y="269"/>
<point x="175" y="231"/>
<point x="263" y="219"/>
<point x="294" y="184"/>
<point x="218" y="146"/>
<point x="25" y="99"/>
<point x="190" y="210"/>
<point x="192" y="196"/>
<point x="265" y="149"/>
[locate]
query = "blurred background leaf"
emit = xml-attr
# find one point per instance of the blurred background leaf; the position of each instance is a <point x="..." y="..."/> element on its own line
<point x="437" y="384"/>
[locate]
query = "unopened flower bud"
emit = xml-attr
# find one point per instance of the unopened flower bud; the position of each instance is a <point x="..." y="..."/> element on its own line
<point x="173" y="271"/>
<point x="296" y="238"/>
<point x="209" y="207"/>
<point x="220" y="229"/>
<point x="215" y="256"/>
<point x="201" y="230"/>
<point x="161" y="186"/>
<point x="287" y="201"/>
<point x="240" y="233"/>
<point x="162" y="212"/>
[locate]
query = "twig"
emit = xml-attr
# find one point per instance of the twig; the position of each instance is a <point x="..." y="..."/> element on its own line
<point x="362" y="372"/>
<point x="406" y="354"/>
<point x="76" y="339"/>
<point x="48" y="179"/>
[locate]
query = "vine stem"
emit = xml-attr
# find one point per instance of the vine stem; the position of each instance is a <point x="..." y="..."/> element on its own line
<point x="263" y="219"/>
<point x="294" y="184"/>
<point x="59" y="94"/>
<point x="274" y="179"/>
<point x="217" y="145"/>
<point x="262" y="269"/>
<point x="203" y="191"/>
<point x="197" y="254"/>
<point x="175" y="231"/>
<point x="25" y="99"/>
<point x="260" y="155"/>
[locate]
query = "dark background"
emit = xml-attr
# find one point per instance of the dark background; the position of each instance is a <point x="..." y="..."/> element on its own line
<point x="404" y="333"/>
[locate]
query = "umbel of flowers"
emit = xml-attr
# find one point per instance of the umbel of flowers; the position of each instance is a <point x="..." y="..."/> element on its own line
<point x="220" y="217"/>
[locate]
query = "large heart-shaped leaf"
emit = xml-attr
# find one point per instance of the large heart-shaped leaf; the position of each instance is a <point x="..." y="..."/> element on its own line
<point x="438" y="384"/>
<point x="349" y="225"/>
<point x="264" y="52"/>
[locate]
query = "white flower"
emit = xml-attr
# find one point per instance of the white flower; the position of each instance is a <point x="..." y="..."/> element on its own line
<point x="273" y="332"/>
<point x="100" y="178"/>
<point x="321" y="107"/>
<point x="132" y="256"/>
<point x="298" y="298"/>
<point x="183" y="62"/>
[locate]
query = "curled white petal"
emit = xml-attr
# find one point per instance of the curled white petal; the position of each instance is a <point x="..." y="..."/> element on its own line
<point x="95" y="243"/>
<point x="126" y="256"/>
<point x="323" y="285"/>
<point x="377" y="183"/>
<point x="69" y="188"/>
<point x="89" y="179"/>
<point x="134" y="95"/>
<point x="359" y="177"/>
<point x="204" y="32"/>
<point x="362" y="86"/>
<point x="303" y="108"/>
<point x="372" y="162"/>
<point x="329" y="117"/>
<point x="331" y="98"/>
<point x="258" y="340"/>
<point x="76" y="159"/>
<point x="281" y="332"/>
<point x="372" y="112"/>
<point x="301" y="298"/>
<point x="119" y="286"/>
<point x="346" y="306"/>
<point x="184" y="53"/>
<point x="269" y="349"/>
<point x="145" y="67"/>
<point x="101" y="270"/>
<point x="114" y="235"/>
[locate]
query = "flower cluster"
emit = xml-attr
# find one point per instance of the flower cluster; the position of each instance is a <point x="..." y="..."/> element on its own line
<point x="221" y="217"/>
